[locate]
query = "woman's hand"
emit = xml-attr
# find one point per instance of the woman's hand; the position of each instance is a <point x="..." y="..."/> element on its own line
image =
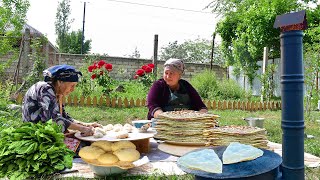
<point x="203" y="110"/>
<point x="86" y="131"/>
<point x="95" y="125"/>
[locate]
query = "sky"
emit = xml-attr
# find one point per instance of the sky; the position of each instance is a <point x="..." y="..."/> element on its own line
<point x="118" y="27"/>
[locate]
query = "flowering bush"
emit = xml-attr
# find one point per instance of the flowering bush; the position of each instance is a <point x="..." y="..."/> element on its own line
<point x="100" y="73"/>
<point x="145" y="75"/>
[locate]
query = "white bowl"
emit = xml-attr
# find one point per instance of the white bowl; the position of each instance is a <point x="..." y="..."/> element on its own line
<point x="139" y="123"/>
<point x="106" y="171"/>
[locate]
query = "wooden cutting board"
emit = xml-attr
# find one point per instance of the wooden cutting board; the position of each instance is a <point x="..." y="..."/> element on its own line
<point x="177" y="150"/>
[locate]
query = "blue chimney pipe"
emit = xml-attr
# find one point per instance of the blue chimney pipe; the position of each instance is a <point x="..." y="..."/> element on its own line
<point x="292" y="121"/>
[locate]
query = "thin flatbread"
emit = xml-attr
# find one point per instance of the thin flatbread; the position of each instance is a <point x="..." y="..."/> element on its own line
<point x="204" y="160"/>
<point x="237" y="152"/>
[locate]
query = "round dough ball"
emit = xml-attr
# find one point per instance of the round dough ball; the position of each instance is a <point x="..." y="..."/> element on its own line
<point x="98" y="135"/>
<point x="127" y="127"/>
<point x="90" y="152"/>
<point x="117" y="127"/>
<point x="100" y="130"/>
<point x="105" y="145"/>
<point x="129" y="155"/>
<point x="108" y="158"/>
<point x="122" y="134"/>
<point x="122" y="145"/>
<point x="108" y="127"/>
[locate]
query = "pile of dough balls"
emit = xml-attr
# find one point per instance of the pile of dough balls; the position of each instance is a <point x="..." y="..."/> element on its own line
<point x="119" y="131"/>
<point x="110" y="153"/>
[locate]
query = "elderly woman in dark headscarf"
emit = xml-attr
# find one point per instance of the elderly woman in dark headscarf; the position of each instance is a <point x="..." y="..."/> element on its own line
<point x="43" y="100"/>
<point x="172" y="93"/>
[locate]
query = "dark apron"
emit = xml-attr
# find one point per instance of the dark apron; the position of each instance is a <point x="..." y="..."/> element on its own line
<point x="178" y="101"/>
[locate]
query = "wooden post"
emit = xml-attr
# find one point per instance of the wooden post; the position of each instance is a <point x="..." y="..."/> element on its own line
<point x="107" y="101"/>
<point x="119" y="102"/>
<point x="125" y="102"/>
<point x="88" y="101"/>
<point x="138" y="102"/>
<point x="208" y="105"/>
<point x="143" y="102"/>
<point x="101" y="101"/>
<point x="113" y="102"/>
<point x="25" y="55"/>
<point x="75" y="100"/>
<point x="264" y="67"/>
<point x="212" y="50"/>
<point x="69" y="100"/>
<point x="155" y="55"/>
<point x="94" y="101"/>
<point x="214" y="105"/>
<point x="81" y="101"/>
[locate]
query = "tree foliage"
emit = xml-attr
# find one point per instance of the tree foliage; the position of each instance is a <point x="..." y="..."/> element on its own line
<point x="312" y="59"/>
<point x="12" y="19"/>
<point x="74" y="42"/>
<point x="63" y="24"/>
<point x="247" y="27"/>
<point x="68" y="42"/>
<point x="198" y="51"/>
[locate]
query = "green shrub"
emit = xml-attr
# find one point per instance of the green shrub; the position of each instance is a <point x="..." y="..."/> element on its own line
<point x="206" y="84"/>
<point x="229" y="89"/>
<point x="209" y="87"/>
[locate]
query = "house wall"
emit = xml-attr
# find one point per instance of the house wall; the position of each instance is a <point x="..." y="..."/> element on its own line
<point x="123" y="68"/>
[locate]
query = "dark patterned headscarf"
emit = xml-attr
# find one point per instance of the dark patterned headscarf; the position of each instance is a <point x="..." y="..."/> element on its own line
<point x="63" y="72"/>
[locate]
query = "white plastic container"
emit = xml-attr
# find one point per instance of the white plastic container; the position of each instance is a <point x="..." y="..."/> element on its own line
<point x="255" y="122"/>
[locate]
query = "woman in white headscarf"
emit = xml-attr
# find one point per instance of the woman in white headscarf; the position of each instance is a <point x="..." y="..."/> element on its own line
<point x="171" y="93"/>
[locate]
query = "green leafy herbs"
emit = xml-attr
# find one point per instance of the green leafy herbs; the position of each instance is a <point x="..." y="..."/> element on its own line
<point x="33" y="150"/>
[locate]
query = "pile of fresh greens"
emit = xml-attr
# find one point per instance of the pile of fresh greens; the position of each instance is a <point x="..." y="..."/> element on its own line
<point x="33" y="150"/>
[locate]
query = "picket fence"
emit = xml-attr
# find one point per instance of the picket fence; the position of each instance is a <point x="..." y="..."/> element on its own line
<point x="126" y="103"/>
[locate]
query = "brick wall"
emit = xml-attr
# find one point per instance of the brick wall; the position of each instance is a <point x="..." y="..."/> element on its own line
<point x="123" y="68"/>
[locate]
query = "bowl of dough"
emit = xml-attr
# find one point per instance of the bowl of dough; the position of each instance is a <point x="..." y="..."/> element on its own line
<point x="106" y="158"/>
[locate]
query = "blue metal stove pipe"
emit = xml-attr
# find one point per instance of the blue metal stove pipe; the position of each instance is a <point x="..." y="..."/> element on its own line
<point x="292" y="87"/>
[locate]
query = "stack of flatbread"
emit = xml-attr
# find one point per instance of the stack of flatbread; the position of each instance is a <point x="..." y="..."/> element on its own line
<point x="184" y="126"/>
<point x="223" y="136"/>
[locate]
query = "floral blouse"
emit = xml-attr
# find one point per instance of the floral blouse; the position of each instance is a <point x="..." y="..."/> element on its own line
<point x="40" y="104"/>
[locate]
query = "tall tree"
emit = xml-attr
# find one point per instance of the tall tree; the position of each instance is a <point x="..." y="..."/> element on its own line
<point x="63" y="24"/>
<point x="74" y="41"/>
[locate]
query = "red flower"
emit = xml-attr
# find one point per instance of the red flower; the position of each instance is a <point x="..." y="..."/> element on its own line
<point x="140" y="72"/>
<point x="101" y="63"/>
<point x="95" y="66"/>
<point x="151" y="65"/>
<point x="91" y="68"/>
<point x="135" y="77"/>
<point x="108" y="67"/>
<point x="144" y="67"/>
<point x="101" y="72"/>
<point x="93" y="76"/>
<point x="148" y="69"/>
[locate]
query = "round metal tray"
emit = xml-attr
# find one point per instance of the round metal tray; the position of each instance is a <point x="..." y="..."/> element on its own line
<point x="268" y="162"/>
